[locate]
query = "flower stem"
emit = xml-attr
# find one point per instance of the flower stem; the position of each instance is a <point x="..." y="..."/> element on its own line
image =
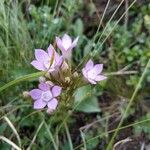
<point x="120" y="73"/>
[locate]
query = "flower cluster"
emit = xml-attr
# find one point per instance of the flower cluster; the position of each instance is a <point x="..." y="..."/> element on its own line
<point x="59" y="75"/>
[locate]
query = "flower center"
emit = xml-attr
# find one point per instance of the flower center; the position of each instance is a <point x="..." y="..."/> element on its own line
<point x="46" y="96"/>
<point x="92" y="74"/>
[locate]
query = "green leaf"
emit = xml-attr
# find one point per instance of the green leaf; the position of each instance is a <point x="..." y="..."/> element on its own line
<point x="82" y="93"/>
<point x="78" y="28"/>
<point x="89" y="105"/>
<point x="85" y="101"/>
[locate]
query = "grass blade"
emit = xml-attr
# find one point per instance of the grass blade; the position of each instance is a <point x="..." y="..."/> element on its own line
<point x="34" y="138"/>
<point x="24" y="78"/>
<point x="68" y="136"/>
<point x="10" y="142"/>
<point x="51" y="136"/>
<point x="14" y="130"/>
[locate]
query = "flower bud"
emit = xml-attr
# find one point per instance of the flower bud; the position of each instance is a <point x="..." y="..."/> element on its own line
<point x="25" y="94"/>
<point x="67" y="79"/>
<point x="42" y="79"/>
<point x="75" y="74"/>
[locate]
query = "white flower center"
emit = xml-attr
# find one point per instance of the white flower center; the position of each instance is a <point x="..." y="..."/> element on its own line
<point x="46" y="96"/>
<point x="92" y="74"/>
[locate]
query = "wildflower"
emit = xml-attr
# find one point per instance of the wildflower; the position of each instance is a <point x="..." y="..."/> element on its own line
<point x="45" y="95"/>
<point x="92" y="72"/>
<point x="66" y="45"/>
<point x="47" y="61"/>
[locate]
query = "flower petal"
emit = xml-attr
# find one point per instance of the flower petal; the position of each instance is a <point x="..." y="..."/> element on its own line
<point x="84" y="72"/>
<point x="89" y="65"/>
<point x="66" y="41"/>
<point x="92" y="81"/>
<point x="60" y="61"/>
<point x="59" y="44"/>
<point x="74" y="43"/>
<point x="44" y="87"/>
<point x="98" y="68"/>
<point x="35" y="94"/>
<point x="38" y="65"/>
<point x="51" y="51"/>
<point x="53" y="104"/>
<point x="41" y="55"/>
<point x="100" y="78"/>
<point x="56" y="90"/>
<point x="39" y="104"/>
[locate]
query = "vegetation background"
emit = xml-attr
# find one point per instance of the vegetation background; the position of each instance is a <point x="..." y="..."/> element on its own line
<point x="119" y="32"/>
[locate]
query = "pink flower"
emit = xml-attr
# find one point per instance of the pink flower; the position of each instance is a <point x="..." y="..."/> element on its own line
<point x="45" y="95"/>
<point x="47" y="61"/>
<point x="66" y="45"/>
<point x="92" y="72"/>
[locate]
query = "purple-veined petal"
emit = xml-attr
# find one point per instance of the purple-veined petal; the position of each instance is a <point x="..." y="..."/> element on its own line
<point x="100" y="78"/>
<point x="38" y="65"/>
<point x="59" y="44"/>
<point x="89" y="65"/>
<point x="66" y="41"/>
<point x="98" y="68"/>
<point x="39" y="104"/>
<point x="60" y="61"/>
<point x="56" y="90"/>
<point x="41" y="55"/>
<point x="53" y="104"/>
<point x="44" y="87"/>
<point x="84" y="72"/>
<point x="57" y="58"/>
<point x="35" y="94"/>
<point x="51" y="51"/>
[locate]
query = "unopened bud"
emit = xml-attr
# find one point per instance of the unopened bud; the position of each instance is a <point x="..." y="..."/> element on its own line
<point x="64" y="66"/>
<point x="47" y="75"/>
<point x="42" y="79"/>
<point x="75" y="74"/>
<point x="67" y="79"/>
<point x="50" y="83"/>
<point x="26" y="94"/>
